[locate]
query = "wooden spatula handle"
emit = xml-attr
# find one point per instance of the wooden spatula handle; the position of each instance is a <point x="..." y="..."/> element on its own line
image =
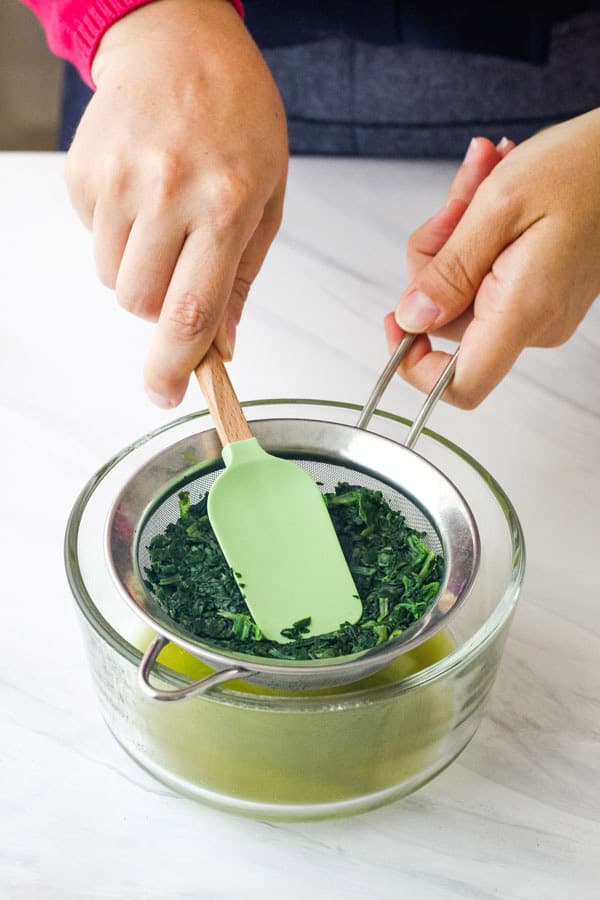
<point x="221" y="399"/>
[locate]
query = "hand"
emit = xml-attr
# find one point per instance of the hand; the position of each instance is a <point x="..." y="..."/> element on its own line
<point x="424" y="243"/>
<point x="519" y="267"/>
<point x="179" y="168"/>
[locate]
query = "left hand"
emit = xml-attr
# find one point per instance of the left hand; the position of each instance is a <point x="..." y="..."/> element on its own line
<point x="516" y="264"/>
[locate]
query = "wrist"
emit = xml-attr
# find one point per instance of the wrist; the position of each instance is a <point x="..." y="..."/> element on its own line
<point x="160" y="23"/>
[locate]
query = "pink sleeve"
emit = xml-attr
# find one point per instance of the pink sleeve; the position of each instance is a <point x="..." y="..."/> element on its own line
<point x="74" y="27"/>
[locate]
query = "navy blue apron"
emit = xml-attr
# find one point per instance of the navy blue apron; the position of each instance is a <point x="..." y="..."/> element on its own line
<point x="387" y="78"/>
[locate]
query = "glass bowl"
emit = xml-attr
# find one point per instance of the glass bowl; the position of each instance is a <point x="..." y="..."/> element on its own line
<point x="307" y="755"/>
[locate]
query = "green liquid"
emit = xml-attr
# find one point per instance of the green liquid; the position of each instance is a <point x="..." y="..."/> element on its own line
<point x="307" y="753"/>
<point x="426" y="654"/>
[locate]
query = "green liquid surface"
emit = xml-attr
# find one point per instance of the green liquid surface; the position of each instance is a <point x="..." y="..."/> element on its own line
<point x="423" y="656"/>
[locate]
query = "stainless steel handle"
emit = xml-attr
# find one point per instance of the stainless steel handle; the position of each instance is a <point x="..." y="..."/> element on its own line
<point x="192" y="690"/>
<point x="384" y="380"/>
<point x="432" y="398"/>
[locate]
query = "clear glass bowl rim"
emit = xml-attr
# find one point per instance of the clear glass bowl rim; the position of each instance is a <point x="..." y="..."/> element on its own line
<point x="458" y="658"/>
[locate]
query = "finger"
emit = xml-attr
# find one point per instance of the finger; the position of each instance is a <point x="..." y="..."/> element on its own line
<point x="510" y="307"/>
<point x="504" y="146"/>
<point x="421" y="366"/>
<point x="429" y="239"/>
<point x="249" y="267"/>
<point x="453" y="331"/>
<point x="80" y="190"/>
<point x="148" y="263"/>
<point x="111" y="227"/>
<point x="480" y="159"/>
<point x="488" y="350"/>
<point x="448" y="284"/>
<point x="193" y="308"/>
<point x="394" y="335"/>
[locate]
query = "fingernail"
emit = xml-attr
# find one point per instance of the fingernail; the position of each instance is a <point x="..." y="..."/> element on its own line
<point x="416" y="312"/>
<point x="159" y="400"/>
<point x="471" y="151"/>
<point x="502" y="144"/>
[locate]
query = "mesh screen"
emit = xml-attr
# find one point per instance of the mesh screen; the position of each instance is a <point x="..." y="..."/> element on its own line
<point x="325" y="473"/>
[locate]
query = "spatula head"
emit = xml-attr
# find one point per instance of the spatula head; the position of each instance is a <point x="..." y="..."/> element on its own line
<point x="274" y="529"/>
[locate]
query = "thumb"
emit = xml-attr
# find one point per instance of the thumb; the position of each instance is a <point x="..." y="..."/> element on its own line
<point x="447" y="285"/>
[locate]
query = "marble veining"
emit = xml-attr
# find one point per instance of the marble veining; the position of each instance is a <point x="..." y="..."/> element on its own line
<point x="518" y="815"/>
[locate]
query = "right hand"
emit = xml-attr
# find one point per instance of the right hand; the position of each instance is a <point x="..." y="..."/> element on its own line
<point x="179" y="168"/>
<point x="481" y="159"/>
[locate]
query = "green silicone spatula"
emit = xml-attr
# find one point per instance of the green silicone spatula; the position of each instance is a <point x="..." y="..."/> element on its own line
<point x="273" y="526"/>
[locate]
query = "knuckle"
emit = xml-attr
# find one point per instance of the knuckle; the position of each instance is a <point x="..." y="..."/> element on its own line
<point x="412" y="245"/>
<point x="420" y="238"/>
<point x="451" y="276"/>
<point x="269" y="226"/>
<point x="106" y="275"/>
<point x="274" y="221"/>
<point x="168" y="174"/>
<point x="544" y="324"/>
<point x="189" y="316"/>
<point x="163" y="383"/>
<point x="75" y="178"/>
<point x="503" y="199"/>
<point x="499" y="196"/>
<point x="502" y="300"/>
<point x="238" y="297"/>
<point x="241" y="288"/>
<point x="135" y="302"/>
<point x="116" y="175"/>
<point x="229" y="197"/>
<point x="468" y="397"/>
<point x="557" y="334"/>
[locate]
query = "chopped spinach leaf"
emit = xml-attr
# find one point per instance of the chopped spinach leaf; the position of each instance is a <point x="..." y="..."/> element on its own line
<point x="396" y="574"/>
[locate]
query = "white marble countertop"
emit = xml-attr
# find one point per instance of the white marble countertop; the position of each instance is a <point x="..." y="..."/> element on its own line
<point x="518" y="815"/>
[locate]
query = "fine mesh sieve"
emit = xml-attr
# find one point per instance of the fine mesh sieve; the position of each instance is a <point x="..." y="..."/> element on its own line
<point x="326" y="474"/>
<point x="330" y="453"/>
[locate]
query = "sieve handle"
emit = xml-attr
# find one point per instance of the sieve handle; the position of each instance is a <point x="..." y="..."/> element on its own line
<point x="192" y="690"/>
<point x="221" y="399"/>
<point x="384" y="380"/>
<point x="432" y="398"/>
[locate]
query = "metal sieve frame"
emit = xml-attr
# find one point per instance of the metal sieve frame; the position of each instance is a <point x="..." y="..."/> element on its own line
<point x="390" y="463"/>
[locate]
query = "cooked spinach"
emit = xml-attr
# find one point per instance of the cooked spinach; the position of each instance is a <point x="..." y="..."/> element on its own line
<point x="396" y="574"/>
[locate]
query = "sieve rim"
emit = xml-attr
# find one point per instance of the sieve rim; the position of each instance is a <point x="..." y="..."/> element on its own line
<point x="458" y="657"/>
<point x="432" y="621"/>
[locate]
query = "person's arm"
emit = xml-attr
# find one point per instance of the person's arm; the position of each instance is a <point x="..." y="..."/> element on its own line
<point x="74" y="28"/>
